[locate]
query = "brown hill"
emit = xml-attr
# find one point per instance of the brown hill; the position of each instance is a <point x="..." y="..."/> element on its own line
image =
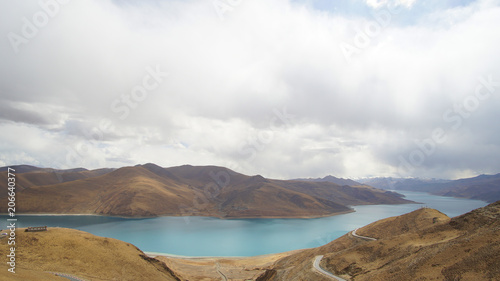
<point x="483" y="187"/>
<point x="347" y="195"/>
<point x="130" y="191"/>
<point x="421" y="245"/>
<point x="150" y="190"/>
<point x="28" y="176"/>
<point x="330" y="178"/>
<point x="244" y="196"/>
<point x="79" y="254"/>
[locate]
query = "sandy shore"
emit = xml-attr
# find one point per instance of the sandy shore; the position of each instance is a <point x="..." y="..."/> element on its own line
<point x="211" y="268"/>
<point x="158" y="254"/>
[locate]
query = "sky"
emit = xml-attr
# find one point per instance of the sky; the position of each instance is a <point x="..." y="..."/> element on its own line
<point x="284" y="88"/>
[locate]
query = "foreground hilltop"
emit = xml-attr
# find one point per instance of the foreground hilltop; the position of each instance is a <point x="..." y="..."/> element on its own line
<point x="149" y="190"/>
<point x="422" y="245"/>
<point x="81" y="255"/>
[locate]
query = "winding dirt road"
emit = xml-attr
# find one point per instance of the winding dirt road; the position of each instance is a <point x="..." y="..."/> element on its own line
<point x="222" y="275"/>
<point x="316" y="266"/>
<point x="353" y="233"/>
<point x="317" y="260"/>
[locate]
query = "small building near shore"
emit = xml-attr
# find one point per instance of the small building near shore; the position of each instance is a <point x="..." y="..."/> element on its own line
<point x="36" y="228"/>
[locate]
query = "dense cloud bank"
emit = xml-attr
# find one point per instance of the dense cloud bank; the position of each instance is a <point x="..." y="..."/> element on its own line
<point x="280" y="88"/>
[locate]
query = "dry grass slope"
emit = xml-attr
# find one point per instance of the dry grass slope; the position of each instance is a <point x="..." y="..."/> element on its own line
<point x="422" y="245"/>
<point x="80" y="254"/>
<point x="235" y="269"/>
<point x="149" y="190"/>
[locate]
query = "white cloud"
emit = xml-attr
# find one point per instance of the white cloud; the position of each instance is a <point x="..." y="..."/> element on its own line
<point x="228" y="78"/>
<point x="383" y="3"/>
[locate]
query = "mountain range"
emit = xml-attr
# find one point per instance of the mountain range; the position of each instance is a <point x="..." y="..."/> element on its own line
<point x="482" y="187"/>
<point x="149" y="190"/>
<point x="330" y="178"/>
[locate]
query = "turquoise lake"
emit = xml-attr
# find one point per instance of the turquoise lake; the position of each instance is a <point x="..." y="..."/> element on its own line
<point x="202" y="236"/>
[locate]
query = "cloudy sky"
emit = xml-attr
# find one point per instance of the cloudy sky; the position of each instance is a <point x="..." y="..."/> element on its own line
<point x="284" y="88"/>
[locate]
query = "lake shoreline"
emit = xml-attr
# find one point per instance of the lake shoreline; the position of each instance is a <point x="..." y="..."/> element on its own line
<point x="201" y="236"/>
<point x="174" y="256"/>
<point x="187" y="216"/>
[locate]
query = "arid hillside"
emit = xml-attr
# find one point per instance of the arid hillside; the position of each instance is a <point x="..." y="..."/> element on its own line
<point x="483" y="187"/>
<point x="422" y="245"/>
<point x="149" y="190"/>
<point x="80" y="254"/>
<point x="29" y="176"/>
<point x="330" y="178"/>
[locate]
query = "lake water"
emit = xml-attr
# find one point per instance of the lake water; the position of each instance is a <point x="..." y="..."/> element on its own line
<point x="202" y="236"/>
